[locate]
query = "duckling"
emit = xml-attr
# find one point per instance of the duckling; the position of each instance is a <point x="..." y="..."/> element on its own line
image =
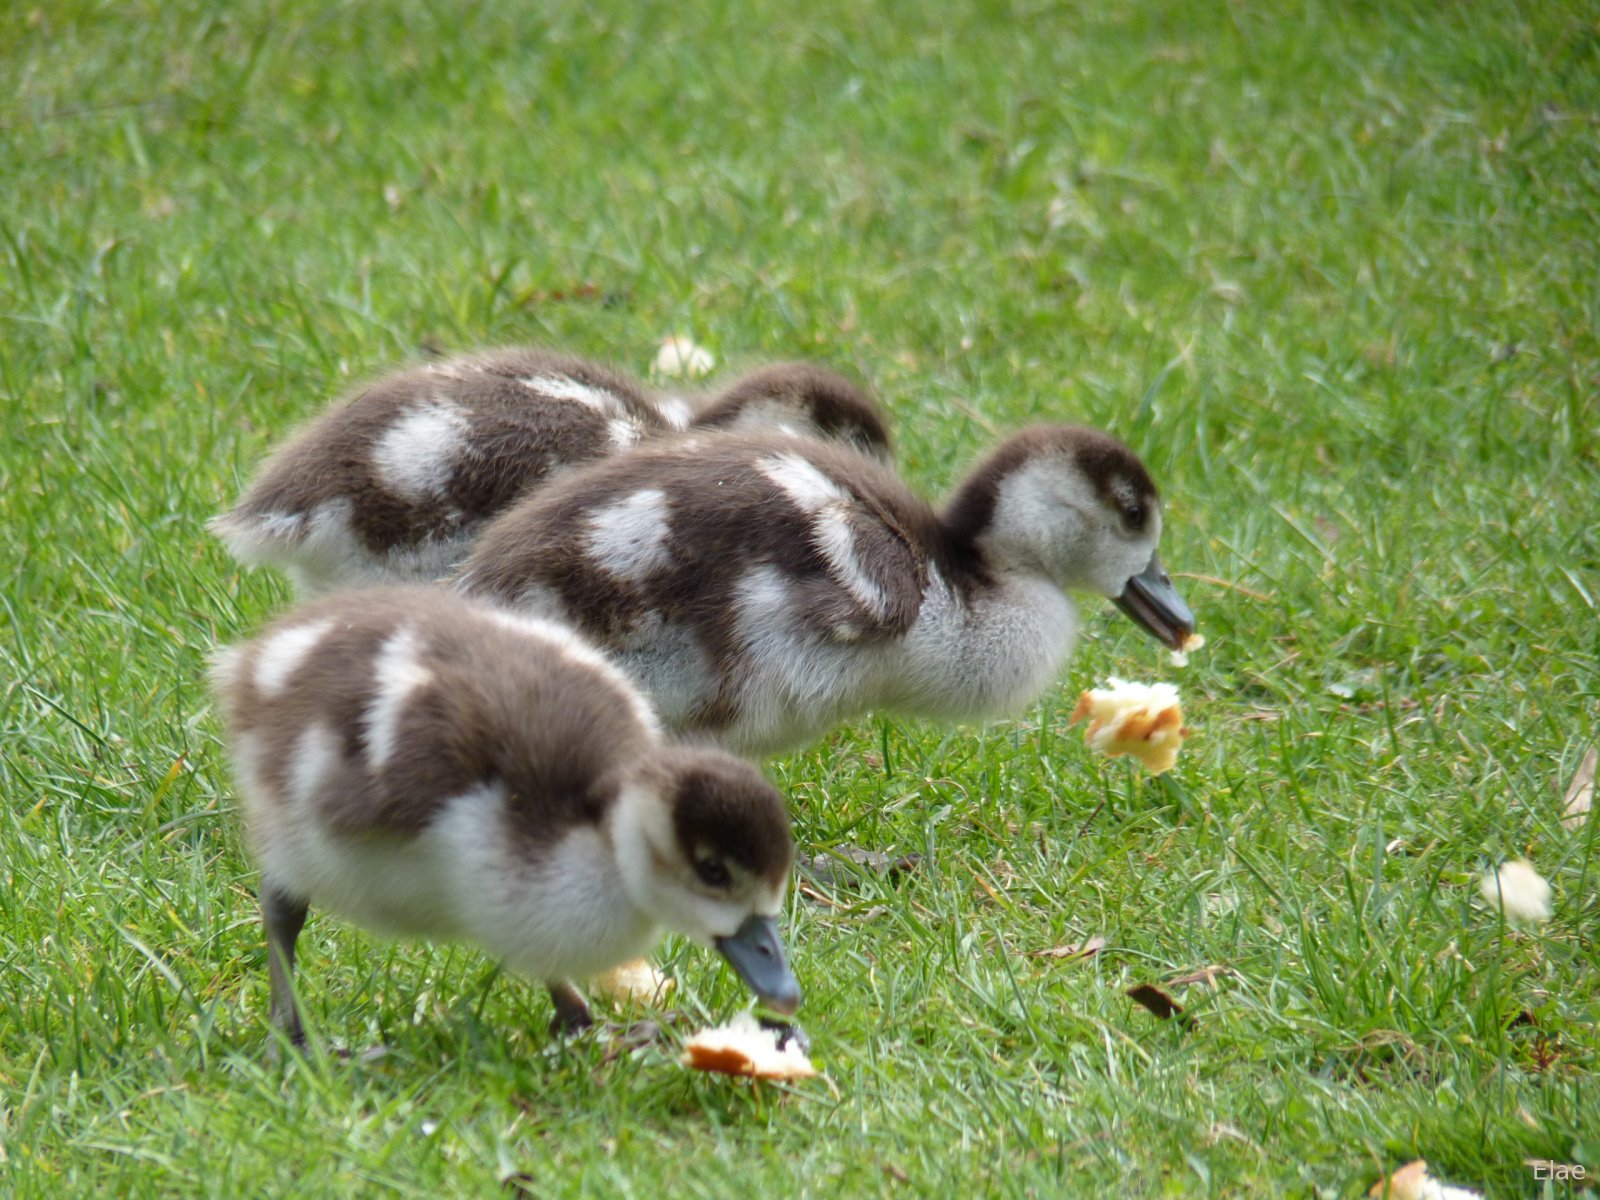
<point x="422" y="764"/>
<point x="762" y="588"/>
<point x="392" y="485"/>
<point x="799" y="398"/>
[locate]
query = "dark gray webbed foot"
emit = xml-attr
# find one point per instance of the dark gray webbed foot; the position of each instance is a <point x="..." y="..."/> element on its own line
<point x="622" y="1039"/>
<point x="786" y="1034"/>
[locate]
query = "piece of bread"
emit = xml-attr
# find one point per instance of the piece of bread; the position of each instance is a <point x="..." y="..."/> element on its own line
<point x="1144" y="720"/>
<point x="636" y="982"/>
<point x="1180" y="657"/>
<point x="745" y="1047"/>
<point x="1412" y="1182"/>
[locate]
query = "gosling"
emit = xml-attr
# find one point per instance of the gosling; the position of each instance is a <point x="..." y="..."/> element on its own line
<point x="763" y="588"/>
<point x="424" y="765"/>
<point x="392" y="485"/>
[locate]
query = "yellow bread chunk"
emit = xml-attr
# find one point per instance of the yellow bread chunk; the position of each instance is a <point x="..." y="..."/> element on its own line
<point x="1139" y="719"/>
<point x="1412" y="1182"/>
<point x="744" y="1047"/>
<point x="636" y="982"/>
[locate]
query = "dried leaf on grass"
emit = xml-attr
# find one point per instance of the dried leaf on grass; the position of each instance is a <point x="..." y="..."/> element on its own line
<point x="988" y="888"/>
<point x="1157" y="1001"/>
<point x="1072" y="949"/>
<point x="625" y="1041"/>
<point x="1579" y="800"/>
<point x="831" y="866"/>
<point x="1206" y="975"/>
<point x="1161" y="1002"/>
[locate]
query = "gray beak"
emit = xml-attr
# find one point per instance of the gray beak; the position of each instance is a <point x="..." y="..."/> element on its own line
<point x="756" y="952"/>
<point x="1154" y="604"/>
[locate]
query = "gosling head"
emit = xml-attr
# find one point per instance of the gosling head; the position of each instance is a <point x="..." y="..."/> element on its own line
<point x="704" y="844"/>
<point x="801" y="398"/>
<point x="1077" y="506"/>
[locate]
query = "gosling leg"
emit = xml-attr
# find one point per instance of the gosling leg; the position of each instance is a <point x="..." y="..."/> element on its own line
<point x="284" y="917"/>
<point x="572" y="1012"/>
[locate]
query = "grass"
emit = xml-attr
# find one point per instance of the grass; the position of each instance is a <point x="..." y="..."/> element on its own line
<point x="1331" y="268"/>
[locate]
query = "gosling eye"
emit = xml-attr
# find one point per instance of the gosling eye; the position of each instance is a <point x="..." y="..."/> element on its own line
<point x="1133" y="515"/>
<point x="713" y="872"/>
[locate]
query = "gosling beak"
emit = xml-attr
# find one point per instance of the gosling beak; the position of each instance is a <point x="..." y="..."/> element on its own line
<point x="756" y="952"/>
<point x="1154" y="604"/>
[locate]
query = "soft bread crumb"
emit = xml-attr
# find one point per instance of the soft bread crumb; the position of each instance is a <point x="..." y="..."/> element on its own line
<point x="743" y="1047"/>
<point x="1412" y="1182"/>
<point x="1519" y="890"/>
<point x="1144" y="720"/>
<point x="1180" y="657"/>
<point x="636" y="982"/>
<point x="680" y="356"/>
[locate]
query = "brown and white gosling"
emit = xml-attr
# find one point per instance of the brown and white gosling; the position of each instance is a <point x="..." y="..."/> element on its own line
<point x="391" y="485"/>
<point x="424" y="765"/>
<point x="762" y="589"/>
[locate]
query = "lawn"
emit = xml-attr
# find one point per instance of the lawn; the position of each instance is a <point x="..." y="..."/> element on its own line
<point x="1332" y="268"/>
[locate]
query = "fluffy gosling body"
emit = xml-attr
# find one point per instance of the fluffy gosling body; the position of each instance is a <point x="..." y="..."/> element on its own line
<point x="391" y="485"/>
<point x="763" y="588"/>
<point x="423" y="765"/>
